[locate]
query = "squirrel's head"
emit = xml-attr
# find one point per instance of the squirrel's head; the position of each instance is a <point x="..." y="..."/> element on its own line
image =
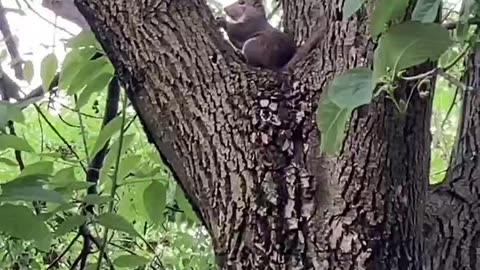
<point x="244" y="10"/>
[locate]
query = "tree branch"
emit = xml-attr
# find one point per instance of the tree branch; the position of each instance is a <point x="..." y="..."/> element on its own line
<point x="10" y="42"/>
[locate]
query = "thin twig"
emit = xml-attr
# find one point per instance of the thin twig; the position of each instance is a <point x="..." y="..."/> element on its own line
<point x="18" y="153"/>
<point x="84" y="114"/>
<point x="45" y="19"/>
<point x="113" y="189"/>
<point x="57" y="259"/>
<point x="105" y="255"/>
<point x="66" y="122"/>
<point x="54" y="129"/>
<point x="11" y="46"/>
<point x="82" y="130"/>
<point x="274" y="10"/>
<point x="450" y="108"/>
<point x="453" y="25"/>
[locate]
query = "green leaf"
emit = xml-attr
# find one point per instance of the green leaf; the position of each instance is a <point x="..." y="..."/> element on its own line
<point x="351" y="89"/>
<point x="8" y="162"/>
<point x="350" y="7"/>
<point x="331" y="121"/>
<point x="184" y="204"/>
<point x="14" y="142"/>
<point x="116" y="222"/>
<point x="60" y="208"/>
<point x="409" y="44"/>
<point x="384" y="12"/>
<point x="28" y="194"/>
<point x="74" y="60"/>
<point x="91" y="266"/>
<point x="47" y="70"/>
<point x="426" y="11"/>
<point x="92" y="199"/>
<point x="41" y="167"/>
<point x="107" y="132"/>
<point x="69" y="224"/>
<point x="27" y="180"/>
<point x="68" y="188"/>
<point x="19" y="222"/>
<point x="88" y="72"/>
<point x="127" y="165"/>
<point x="28" y="71"/>
<point x="85" y="38"/>
<point x="154" y="199"/>
<point x="10" y="111"/>
<point x="113" y="152"/>
<point x="65" y="176"/>
<point x="130" y="261"/>
<point x="97" y="84"/>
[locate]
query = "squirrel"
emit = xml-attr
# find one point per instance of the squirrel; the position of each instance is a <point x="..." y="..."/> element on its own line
<point x="261" y="44"/>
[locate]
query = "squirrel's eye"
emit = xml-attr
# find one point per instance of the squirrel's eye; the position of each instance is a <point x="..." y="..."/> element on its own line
<point x="241" y="2"/>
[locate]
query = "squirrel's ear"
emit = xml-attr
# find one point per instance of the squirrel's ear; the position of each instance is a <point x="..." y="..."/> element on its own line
<point x="257" y="3"/>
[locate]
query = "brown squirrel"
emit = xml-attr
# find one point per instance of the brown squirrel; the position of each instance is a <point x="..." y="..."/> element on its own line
<point x="261" y="44"/>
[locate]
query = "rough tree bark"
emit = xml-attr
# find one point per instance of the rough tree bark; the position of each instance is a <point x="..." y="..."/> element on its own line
<point x="453" y="212"/>
<point x="243" y="145"/>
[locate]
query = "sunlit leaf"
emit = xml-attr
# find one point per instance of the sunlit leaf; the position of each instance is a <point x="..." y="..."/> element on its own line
<point x="107" y="132"/>
<point x="184" y="204"/>
<point x="69" y="224"/>
<point x="8" y="162"/>
<point x="14" y="142"/>
<point x="73" y="61"/>
<point x="85" y="38"/>
<point x="127" y="165"/>
<point x="65" y="175"/>
<point x="27" y="180"/>
<point x="95" y="85"/>
<point x="409" y="44"/>
<point x="28" y="71"/>
<point x="28" y="194"/>
<point x="113" y="152"/>
<point x="92" y="199"/>
<point x="88" y="72"/>
<point x="154" y="199"/>
<point x="19" y="221"/>
<point x="130" y="261"/>
<point x="40" y="167"/>
<point x="48" y="69"/>
<point x="116" y="222"/>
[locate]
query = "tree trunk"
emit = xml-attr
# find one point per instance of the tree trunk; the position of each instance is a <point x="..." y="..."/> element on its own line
<point x="243" y="144"/>
<point x="453" y="212"/>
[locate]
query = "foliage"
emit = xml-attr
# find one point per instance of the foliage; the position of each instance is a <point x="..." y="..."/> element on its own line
<point x="402" y="43"/>
<point x="44" y="216"/>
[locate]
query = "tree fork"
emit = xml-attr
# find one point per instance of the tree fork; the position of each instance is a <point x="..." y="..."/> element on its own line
<point x="243" y="145"/>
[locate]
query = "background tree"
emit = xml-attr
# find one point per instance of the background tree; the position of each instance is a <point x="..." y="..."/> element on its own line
<point x="243" y="143"/>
